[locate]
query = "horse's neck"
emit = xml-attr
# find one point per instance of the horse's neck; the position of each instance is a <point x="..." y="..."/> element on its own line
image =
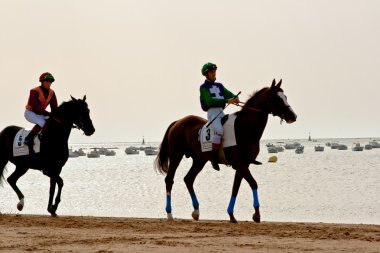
<point x="254" y="124"/>
<point x="57" y="131"/>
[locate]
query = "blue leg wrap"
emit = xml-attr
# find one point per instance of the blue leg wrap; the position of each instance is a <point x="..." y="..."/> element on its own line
<point x="195" y="200"/>
<point x="168" y="203"/>
<point x="231" y="206"/>
<point x="255" y="198"/>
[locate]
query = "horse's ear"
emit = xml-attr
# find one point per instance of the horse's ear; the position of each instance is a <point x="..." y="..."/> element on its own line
<point x="72" y="98"/>
<point x="279" y="84"/>
<point x="84" y="98"/>
<point x="273" y="83"/>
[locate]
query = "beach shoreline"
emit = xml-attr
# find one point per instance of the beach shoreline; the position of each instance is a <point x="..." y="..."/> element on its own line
<point x="39" y="233"/>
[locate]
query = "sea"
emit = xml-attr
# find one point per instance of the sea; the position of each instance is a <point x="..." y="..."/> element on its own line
<point x="333" y="186"/>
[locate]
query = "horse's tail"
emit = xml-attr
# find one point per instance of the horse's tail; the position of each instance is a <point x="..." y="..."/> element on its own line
<point x="161" y="164"/>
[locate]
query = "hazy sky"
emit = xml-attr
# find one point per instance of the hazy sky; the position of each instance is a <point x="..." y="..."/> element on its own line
<point x="139" y="61"/>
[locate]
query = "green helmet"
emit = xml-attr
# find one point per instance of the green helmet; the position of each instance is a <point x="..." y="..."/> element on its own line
<point x="208" y="66"/>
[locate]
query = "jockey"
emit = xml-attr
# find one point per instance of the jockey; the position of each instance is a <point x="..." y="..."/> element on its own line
<point x="39" y="98"/>
<point x="213" y="97"/>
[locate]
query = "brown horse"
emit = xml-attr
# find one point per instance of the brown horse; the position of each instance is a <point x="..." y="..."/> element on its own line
<point x="181" y="138"/>
<point x="54" y="148"/>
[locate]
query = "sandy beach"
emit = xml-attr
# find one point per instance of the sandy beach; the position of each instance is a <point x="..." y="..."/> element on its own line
<point x="35" y="233"/>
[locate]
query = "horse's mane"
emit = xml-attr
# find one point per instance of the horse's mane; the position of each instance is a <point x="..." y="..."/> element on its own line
<point x="254" y="96"/>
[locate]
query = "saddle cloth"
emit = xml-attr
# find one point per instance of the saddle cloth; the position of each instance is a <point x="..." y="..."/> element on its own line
<point x="206" y="134"/>
<point x="19" y="148"/>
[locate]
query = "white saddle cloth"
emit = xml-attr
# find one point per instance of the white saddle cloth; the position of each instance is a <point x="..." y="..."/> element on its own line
<point x="228" y="140"/>
<point x="19" y="148"/>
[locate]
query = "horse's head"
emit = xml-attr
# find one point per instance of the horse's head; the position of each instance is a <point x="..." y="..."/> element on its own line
<point x="277" y="103"/>
<point x="81" y="116"/>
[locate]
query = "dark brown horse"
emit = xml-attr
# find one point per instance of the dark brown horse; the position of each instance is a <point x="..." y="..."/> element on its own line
<point x="181" y="138"/>
<point x="54" y="150"/>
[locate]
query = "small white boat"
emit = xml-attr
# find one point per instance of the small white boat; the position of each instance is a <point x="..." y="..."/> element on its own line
<point x="319" y="148"/>
<point x="299" y="149"/>
<point x="132" y="150"/>
<point x="80" y="152"/>
<point x="272" y="149"/>
<point x="110" y="153"/>
<point x="342" y="147"/>
<point x="93" y="154"/>
<point x="357" y="147"/>
<point x="151" y="151"/>
<point x="72" y="154"/>
<point x="374" y="144"/>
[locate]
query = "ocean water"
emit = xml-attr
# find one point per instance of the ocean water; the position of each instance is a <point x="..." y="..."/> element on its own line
<point x="334" y="186"/>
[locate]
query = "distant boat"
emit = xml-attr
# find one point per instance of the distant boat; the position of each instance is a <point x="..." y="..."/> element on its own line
<point x="334" y="145"/>
<point x="374" y="144"/>
<point x="319" y="148"/>
<point x="132" y="150"/>
<point x="72" y="154"/>
<point x="292" y="145"/>
<point x="299" y="149"/>
<point x="80" y="152"/>
<point x="368" y="146"/>
<point x="272" y="149"/>
<point x="151" y="151"/>
<point x="93" y="154"/>
<point x="357" y="147"/>
<point x="342" y="147"/>
<point x="110" y="153"/>
<point x="143" y="141"/>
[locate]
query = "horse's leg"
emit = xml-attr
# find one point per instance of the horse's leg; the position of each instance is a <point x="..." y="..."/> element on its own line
<point x="12" y="180"/>
<point x="196" y="167"/>
<point x="235" y="190"/>
<point x="54" y="207"/>
<point x="53" y="182"/>
<point x="252" y="183"/>
<point x="169" y="181"/>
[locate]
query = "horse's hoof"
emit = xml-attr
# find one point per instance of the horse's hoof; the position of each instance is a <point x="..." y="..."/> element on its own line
<point x="256" y="218"/>
<point x="54" y="215"/>
<point x="170" y="217"/>
<point x="232" y="218"/>
<point x="195" y="214"/>
<point x="20" y="205"/>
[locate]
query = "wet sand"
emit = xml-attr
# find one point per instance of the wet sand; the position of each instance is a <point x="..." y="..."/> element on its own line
<point x="35" y="233"/>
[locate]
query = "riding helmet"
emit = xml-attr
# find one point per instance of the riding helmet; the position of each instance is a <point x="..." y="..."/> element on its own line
<point x="208" y="66"/>
<point x="46" y="76"/>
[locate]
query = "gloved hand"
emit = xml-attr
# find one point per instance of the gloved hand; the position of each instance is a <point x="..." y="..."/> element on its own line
<point x="233" y="100"/>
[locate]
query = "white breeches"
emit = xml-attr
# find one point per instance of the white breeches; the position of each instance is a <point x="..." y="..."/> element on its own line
<point x="35" y="118"/>
<point x="211" y="114"/>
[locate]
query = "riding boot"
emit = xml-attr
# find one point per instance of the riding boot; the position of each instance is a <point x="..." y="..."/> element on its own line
<point x="29" y="139"/>
<point x="215" y="159"/>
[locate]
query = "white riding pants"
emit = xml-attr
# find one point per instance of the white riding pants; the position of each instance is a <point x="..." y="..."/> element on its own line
<point x="212" y="113"/>
<point x="35" y="118"/>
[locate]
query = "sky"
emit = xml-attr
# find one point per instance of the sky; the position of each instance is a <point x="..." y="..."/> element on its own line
<point x="139" y="61"/>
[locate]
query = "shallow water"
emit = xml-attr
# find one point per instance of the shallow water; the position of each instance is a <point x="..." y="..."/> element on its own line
<point x="331" y="186"/>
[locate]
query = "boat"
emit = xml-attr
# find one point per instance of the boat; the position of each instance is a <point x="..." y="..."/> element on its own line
<point x="151" y="151"/>
<point x="132" y="150"/>
<point x="357" y="147"/>
<point x="110" y="153"/>
<point x="374" y="144"/>
<point x="292" y="145"/>
<point x="299" y="149"/>
<point x="279" y="148"/>
<point x="93" y="154"/>
<point x="319" y="148"/>
<point x="72" y="154"/>
<point x="80" y="152"/>
<point x="368" y="146"/>
<point x="334" y="145"/>
<point x="342" y="147"/>
<point x="272" y="149"/>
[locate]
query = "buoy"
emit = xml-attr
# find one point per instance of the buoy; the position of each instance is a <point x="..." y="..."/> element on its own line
<point x="272" y="159"/>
